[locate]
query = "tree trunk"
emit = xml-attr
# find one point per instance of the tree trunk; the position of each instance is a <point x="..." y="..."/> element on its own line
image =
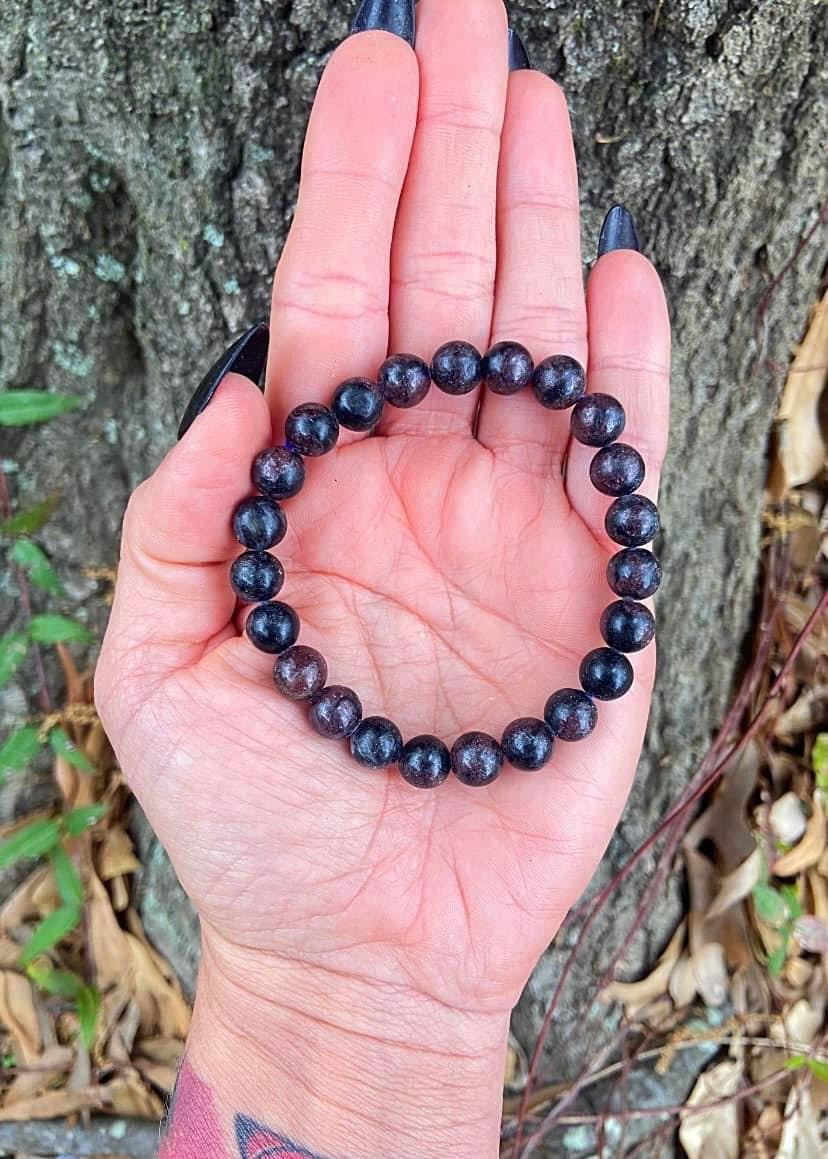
<point x="149" y="153"/>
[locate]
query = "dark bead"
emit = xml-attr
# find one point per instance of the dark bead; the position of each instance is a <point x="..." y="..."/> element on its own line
<point x="278" y="472"/>
<point x="558" y="382"/>
<point x="527" y="743"/>
<point x="404" y="380"/>
<point x="597" y="419"/>
<point x="357" y="405"/>
<point x="635" y="573"/>
<point x="632" y="521"/>
<point x="300" y="673"/>
<point x="256" y="576"/>
<point x="606" y="674"/>
<point x="627" y="626"/>
<point x="476" y="758"/>
<point x="259" y="523"/>
<point x="335" y="712"/>
<point x="376" y="743"/>
<point x="272" y="627"/>
<point x="457" y="368"/>
<point x="507" y="368"/>
<point x="425" y="762"/>
<point x="617" y="470"/>
<point x="312" y="429"/>
<point x="570" y="714"/>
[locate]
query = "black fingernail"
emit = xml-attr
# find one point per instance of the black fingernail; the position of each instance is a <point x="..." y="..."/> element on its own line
<point x="518" y="56"/>
<point x="618" y="232"/>
<point x="395" y="16"/>
<point x="247" y="356"/>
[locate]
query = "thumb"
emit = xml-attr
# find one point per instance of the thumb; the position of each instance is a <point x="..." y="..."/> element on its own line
<point x="173" y="597"/>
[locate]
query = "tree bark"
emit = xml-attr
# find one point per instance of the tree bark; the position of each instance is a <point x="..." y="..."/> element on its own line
<point x="149" y="153"/>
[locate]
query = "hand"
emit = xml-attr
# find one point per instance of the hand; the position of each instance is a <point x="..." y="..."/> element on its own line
<point x="450" y="568"/>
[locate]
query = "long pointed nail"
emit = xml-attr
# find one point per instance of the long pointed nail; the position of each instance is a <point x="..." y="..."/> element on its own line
<point x="618" y="232"/>
<point x="518" y="56"/>
<point x="246" y="356"/>
<point x="395" y="16"/>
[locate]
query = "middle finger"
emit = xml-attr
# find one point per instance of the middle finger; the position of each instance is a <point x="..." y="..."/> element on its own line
<point x="443" y="255"/>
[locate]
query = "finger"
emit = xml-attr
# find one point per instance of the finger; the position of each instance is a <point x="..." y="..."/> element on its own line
<point x="177" y="540"/>
<point x="330" y="295"/>
<point x="539" y="300"/>
<point x="629" y="358"/>
<point x="443" y="259"/>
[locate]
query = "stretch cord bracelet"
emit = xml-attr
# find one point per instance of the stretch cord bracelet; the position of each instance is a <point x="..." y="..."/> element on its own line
<point x="301" y="673"/>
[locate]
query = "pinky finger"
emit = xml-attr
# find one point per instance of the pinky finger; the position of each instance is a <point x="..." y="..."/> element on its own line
<point x="629" y="358"/>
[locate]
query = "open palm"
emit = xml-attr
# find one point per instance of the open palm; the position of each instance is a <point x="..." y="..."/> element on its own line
<point x="450" y="567"/>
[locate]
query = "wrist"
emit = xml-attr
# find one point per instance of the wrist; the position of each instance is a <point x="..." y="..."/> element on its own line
<point x="345" y="1065"/>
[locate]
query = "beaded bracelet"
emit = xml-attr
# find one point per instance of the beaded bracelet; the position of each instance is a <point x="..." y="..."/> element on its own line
<point x="301" y="673"/>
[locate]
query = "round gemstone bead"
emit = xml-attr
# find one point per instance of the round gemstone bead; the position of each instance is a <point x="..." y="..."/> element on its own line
<point x="272" y="627"/>
<point x="425" y="762"/>
<point x="632" y="521"/>
<point x="256" y="576"/>
<point x="404" y="380"/>
<point x="571" y="714"/>
<point x="312" y="429"/>
<point x="527" y="743"/>
<point x="357" y="405"/>
<point x="597" y="419"/>
<point x="476" y="758"/>
<point x="606" y="674"/>
<point x="558" y="382"/>
<point x="635" y="573"/>
<point x="300" y="673"/>
<point x="259" y="523"/>
<point x="457" y="368"/>
<point x="627" y="626"/>
<point x="278" y="472"/>
<point x="335" y="712"/>
<point x="617" y="470"/>
<point x="376" y="743"/>
<point x="507" y="368"/>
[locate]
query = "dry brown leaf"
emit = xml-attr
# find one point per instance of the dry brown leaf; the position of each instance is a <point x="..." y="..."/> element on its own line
<point x="800" y="1133"/>
<point x="710" y="972"/>
<point x="169" y="1014"/>
<point x="9" y="953"/>
<point x="51" y="1064"/>
<point x="682" y="984"/>
<point x="800" y="448"/>
<point x="809" y="850"/>
<point x="18" y="1014"/>
<point x="805" y="714"/>
<point x="737" y="885"/>
<point x="119" y="893"/>
<point x="797" y="973"/>
<point x="115" y="856"/>
<point x="163" y="1076"/>
<point x="714" y="1133"/>
<point x="635" y="995"/>
<point x="54" y="1104"/>
<point x="170" y="1051"/>
<point x="108" y="947"/>
<point x="20" y="907"/>
<point x="127" y="1095"/>
<point x="122" y="1039"/>
<point x="81" y="1076"/>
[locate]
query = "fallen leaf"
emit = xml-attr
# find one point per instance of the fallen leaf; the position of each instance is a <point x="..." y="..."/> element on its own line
<point x="51" y="1064"/>
<point x="635" y="995"/>
<point x="170" y="1051"/>
<point x="682" y="986"/>
<point x="787" y="819"/>
<point x="127" y="1095"/>
<point x="115" y="856"/>
<point x="812" y="934"/>
<point x="163" y="1076"/>
<point x="801" y="1137"/>
<point x="19" y="1016"/>
<point x="800" y="447"/>
<point x="712" y="1133"/>
<point x="809" y="850"/>
<point x="737" y="885"/>
<point x="20" y="906"/>
<point x="724" y="821"/>
<point x="54" y="1105"/>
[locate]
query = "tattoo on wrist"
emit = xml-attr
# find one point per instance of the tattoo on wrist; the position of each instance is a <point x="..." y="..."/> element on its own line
<point x="192" y="1129"/>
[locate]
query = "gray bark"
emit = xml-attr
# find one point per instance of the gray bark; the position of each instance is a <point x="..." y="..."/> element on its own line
<point x="148" y="161"/>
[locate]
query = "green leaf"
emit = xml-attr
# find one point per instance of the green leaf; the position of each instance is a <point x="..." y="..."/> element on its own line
<point x="777" y="959"/>
<point x="818" y="1069"/>
<point x="32" y="841"/>
<point x="20" y="748"/>
<point x="51" y="930"/>
<point x="769" y="904"/>
<point x="32" y="519"/>
<point x="61" y="982"/>
<point x="52" y="629"/>
<point x="791" y="896"/>
<point x="67" y="878"/>
<point x="88" y="1005"/>
<point x="64" y="747"/>
<point x="819" y="760"/>
<point x="18" y="408"/>
<point x="82" y="818"/>
<point x="34" y="562"/>
<point x="13" y="649"/>
<point x="795" y="1062"/>
<point x="8" y="1061"/>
